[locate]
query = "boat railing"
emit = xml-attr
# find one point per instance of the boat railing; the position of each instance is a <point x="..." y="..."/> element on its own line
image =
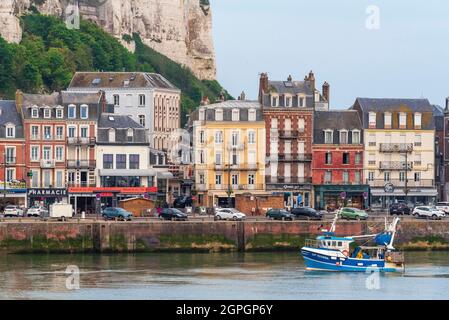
<point x="313" y="243"/>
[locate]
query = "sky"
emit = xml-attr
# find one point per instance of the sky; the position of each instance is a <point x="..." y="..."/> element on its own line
<point x="363" y="48"/>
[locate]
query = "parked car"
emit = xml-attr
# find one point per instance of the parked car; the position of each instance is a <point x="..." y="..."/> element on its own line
<point x="399" y="208"/>
<point x="428" y="212"/>
<point x="173" y="214"/>
<point x="353" y="214"/>
<point x="279" y="214"/>
<point x="306" y="213"/>
<point x="37" y="211"/>
<point x="443" y="206"/>
<point x="182" y="202"/>
<point x="12" y="211"/>
<point x="229" y="214"/>
<point x="116" y="213"/>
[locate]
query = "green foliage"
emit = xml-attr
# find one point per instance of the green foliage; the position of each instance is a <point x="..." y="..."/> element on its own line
<point x="50" y="54"/>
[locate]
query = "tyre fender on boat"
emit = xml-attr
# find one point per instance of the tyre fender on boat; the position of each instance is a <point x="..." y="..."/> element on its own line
<point x="346" y="253"/>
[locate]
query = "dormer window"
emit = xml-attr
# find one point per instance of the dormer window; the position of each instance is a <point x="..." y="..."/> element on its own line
<point x="356" y="137"/>
<point x="130" y="135"/>
<point x="328" y="136"/>
<point x="288" y="101"/>
<point x="418" y="118"/>
<point x="235" y="115"/>
<point x="274" y="101"/>
<point x="372" y="119"/>
<point x="402" y="120"/>
<point x="387" y="120"/>
<point x="10" y="131"/>
<point x="343" y="136"/>
<point x="59" y="113"/>
<point x="111" y="135"/>
<point x="252" y="115"/>
<point x="219" y="115"/>
<point x="202" y="114"/>
<point x="301" y="102"/>
<point x="47" y="113"/>
<point x="35" y="112"/>
<point x="84" y="111"/>
<point x="72" y="111"/>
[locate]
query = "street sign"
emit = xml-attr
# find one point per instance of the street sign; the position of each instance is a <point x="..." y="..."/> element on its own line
<point x="98" y="196"/>
<point x="146" y="195"/>
<point x="365" y="195"/>
<point x="389" y="188"/>
<point x="343" y="195"/>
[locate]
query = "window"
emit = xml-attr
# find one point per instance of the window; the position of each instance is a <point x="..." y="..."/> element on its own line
<point x="418" y="120"/>
<point x="201" y="156"/>
<point x="202" y="114"/>
<point x="108" y="161"/>
<point x="47" y="113"/>
<point x="134" y="161"/>
<point x="346" y="158"/>
<point x="345" y="177"/>
<point x="418" y="142"/>
<point x="402" y="120"/>
<point x="371" y="176"/>
<point x="34" y="132"/>
<point x="59" y="153"/>
<point x="116" y="98"/>
<point x="142" y="99"/>
<point x="71" y="111"/>
<point x="35" y="113"/>
<point x="142" y="120"/>
<point x="47" y="178"/>
<point x="251" y="179"/>
<point x="328" y="177"/>
<point x="357" y="177"/>
<point x="219" y="115"/>
<point x="60" y="133"/>
<point x="47" y="133"/>
<point x="371" y="159"/>
<point x="252" y="115"/>
<point x="84" y="111"/>
<point x="202" y="179"/>
<point x="328" y="137"/>
<point x="372" y="119"/>
<point x="218" y="136"/>
<point x="71" y="177"/>
<point x="387" y="119"/>
<point x="402" y="176"/>
<point x="372" y="140"/>
<point x="301" y="101"/>
<point x="35" y="179"/>
<point x="358" y="158"/>
<point x="234" y="159"/>
<point x="288" y="101"/>
<point x="417" y="176"/>
<point x="46" y="153"/>
<point x="34" y="153"/>
<point x="355" y="137"/>
<point x="218" y="179"/>
<point x="328" y="159"/>
<point x="120" y="161"/>
<point x="202" y="136"/>
<point x="10" y="131"/>
<point x="59" y="179"/>
<point x="343" y="137"/>
<point x="235" y="115"/>
<point x="83" y="132"/>
<point x="274" y="101"/>
<point x="111" y="135"/>
<point x="251" y="137"/>
<point x="10" y="174"/>
<point x="10" y="155"/>
<point x="218" y="158"/>
<point x="235" y="179"/>
<point x="387" y="176"/>
<point x="418" y="159"/>
<point x="130" y="135"/>
<point x="301" y="124"/>
<point x="71" y="132"/>
<point x="59" y="113"/>
<point x="235" y="139"/>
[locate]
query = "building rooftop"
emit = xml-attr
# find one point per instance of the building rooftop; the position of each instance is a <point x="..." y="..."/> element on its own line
<point x="400" y="105"/>
<point x="89" y="80"/>
<point x="80" y="97"/>
<point x="9" y="114"/>
<point x="112" y="120"/>
<point x="291" y="87"/>
<point x="337" y="120"/>
<point x="232" y="104"/>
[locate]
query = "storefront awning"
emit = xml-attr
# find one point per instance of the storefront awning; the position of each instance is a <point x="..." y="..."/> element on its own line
<point x="127" y="172"/>
<point x="165" y="175"/>
<point x="401" y="193"/>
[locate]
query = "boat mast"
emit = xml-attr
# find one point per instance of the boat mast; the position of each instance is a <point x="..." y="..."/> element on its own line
<point x="334" y="223"/>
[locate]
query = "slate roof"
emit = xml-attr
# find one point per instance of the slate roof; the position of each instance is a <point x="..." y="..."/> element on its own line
<point x="227" y="106"/>
<point x="292" y="87"/>
<point x="41" y="100"/>
<point x="121" y="124"/>
<point x="438" y="114"/>
<point x="9" y="114"/>
<point x="83" y="80"/>
<point x="116" y="121"/>
<point x="80" y="97"/>
<point x="335" y="120"/>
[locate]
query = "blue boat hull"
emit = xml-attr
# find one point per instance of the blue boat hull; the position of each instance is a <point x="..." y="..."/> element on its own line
<point x="323" y="262"/>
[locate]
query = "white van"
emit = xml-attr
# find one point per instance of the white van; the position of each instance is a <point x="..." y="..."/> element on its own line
<point x="443" y="206"/>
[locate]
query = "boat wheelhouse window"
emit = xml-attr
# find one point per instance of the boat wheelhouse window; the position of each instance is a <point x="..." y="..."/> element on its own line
<point x="340" y="243"/>
<point x="334" y="243"/>
<point x="329" y="243"/>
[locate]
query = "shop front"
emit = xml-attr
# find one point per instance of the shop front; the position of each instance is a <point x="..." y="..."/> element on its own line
<point x="16" y="194"/>
<point x="85" y="199"/>
<point x="46" y="196"/>
<point x="333" y="197"/>
<point x="295" y="195"/>
<point x="382" y="198"/>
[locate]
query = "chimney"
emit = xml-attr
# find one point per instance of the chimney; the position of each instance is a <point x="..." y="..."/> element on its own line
<point x="242" y="96"/>
<point x="221" y="97"/>
<point x="19" y="102"/>
<point x="103" y="103"/>
<point x="326" y="91"/>
<point x="205" y="101"/>
<point x="290" y="79"/>
<point x="311" y="78"/>
<point x="263" y="86"/>
<point x="447" y="104"/>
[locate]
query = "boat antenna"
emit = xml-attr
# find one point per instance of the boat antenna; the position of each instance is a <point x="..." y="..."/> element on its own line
<point x="334" y="223"/>
<point x="392" y="228"/>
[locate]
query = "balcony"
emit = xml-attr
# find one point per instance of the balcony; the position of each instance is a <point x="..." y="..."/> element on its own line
<point x="292" y="157"/>
<point x="284" y="180"/>
<point x="236" y="147"/>
<point x="396" y="147"/>
<point x="236" y="167"/>
<point x="81" y="164"/>
<point x="289" y="134"/>
<point x="241" y="187"/>
<point x="78" y="141"/>
<point x="82" y="184"/>
<point x="401" y="183"/>
<point x="395" y="165"/>
<point x="47" y="163"/>
<point x="341" y="183"/>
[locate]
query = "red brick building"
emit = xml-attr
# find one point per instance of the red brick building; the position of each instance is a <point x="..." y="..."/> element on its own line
<point x="288" y="108"/>
<point x="12" y="156"/>
<point x="337" y="166"/>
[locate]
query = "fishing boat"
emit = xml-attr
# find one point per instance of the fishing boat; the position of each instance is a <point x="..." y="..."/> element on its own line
<point x="331" y="253"/>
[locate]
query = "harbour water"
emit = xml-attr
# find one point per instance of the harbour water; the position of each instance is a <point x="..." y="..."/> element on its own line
<point x="213" y="276"/>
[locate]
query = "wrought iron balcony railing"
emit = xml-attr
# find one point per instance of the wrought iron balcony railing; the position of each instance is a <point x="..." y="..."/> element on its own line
<point x="396" y="147"/>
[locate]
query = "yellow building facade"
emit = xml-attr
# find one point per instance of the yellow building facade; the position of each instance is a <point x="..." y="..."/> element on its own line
<point x="229" y="142"/>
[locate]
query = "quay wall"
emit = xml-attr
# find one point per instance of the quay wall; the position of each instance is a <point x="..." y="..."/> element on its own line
<point x="108" y="237"/>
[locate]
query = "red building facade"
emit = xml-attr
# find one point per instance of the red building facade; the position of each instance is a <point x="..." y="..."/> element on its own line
<point x="337" y="166"/>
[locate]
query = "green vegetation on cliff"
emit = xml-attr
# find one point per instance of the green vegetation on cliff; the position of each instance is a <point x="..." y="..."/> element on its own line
<point x="49" y="54"/>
